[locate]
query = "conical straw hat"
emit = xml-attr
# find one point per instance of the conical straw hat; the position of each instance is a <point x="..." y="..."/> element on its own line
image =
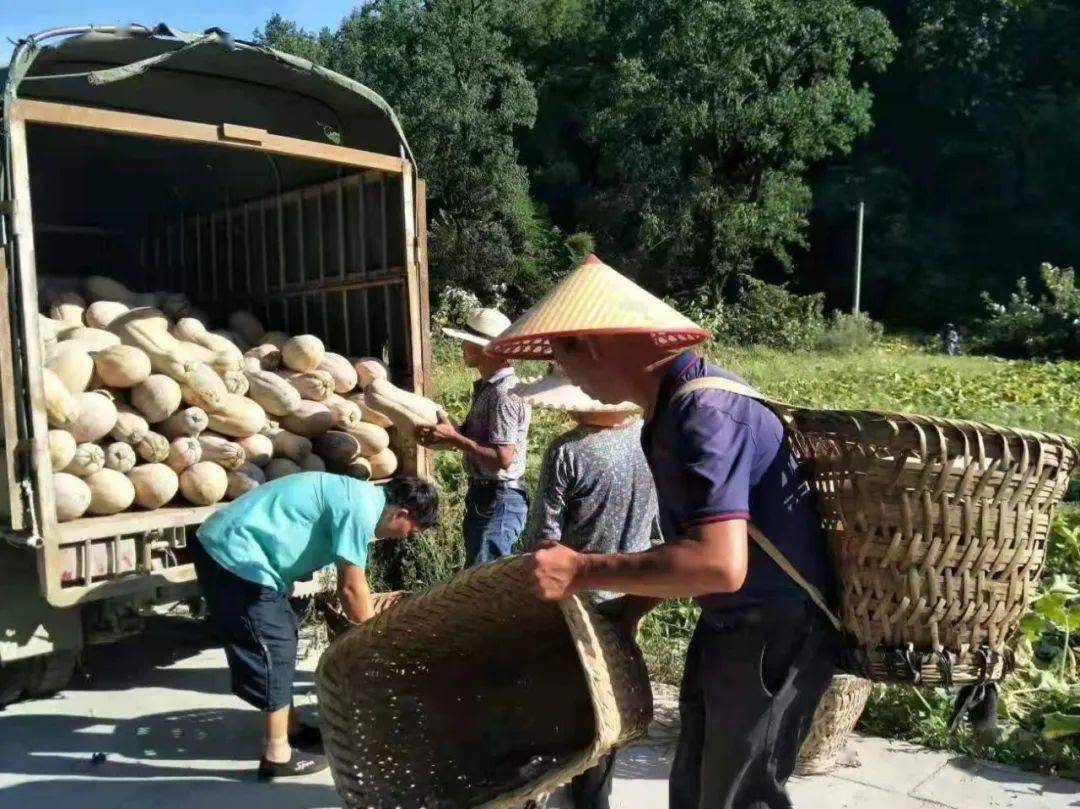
<point x="595" y="299"/>
<point x="556" y="392"/>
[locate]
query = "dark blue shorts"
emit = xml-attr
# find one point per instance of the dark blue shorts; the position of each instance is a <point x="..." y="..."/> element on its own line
<point x="258" y="627"/>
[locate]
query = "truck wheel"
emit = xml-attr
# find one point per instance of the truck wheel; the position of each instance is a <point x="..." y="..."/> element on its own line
<point x="13" y="678"/>
<point x="50" y="673"/>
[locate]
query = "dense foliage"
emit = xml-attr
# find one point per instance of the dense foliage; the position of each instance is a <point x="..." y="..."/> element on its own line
<point x="673" y="134"/>
<point x="974" y="139"/>
<point x="1047" y="327"/>
<point x="690" y="141"/>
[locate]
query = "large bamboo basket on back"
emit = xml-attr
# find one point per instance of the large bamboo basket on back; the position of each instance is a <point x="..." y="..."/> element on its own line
<point x="938" y="530"/>
<point x="475" y="693"/>
<point x="834" y="719"/>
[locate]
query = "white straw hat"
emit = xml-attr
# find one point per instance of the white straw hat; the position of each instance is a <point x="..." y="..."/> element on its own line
<point x="481" y="327"/>
<point x="556" y="392"/>
<point x="595" y="300"/>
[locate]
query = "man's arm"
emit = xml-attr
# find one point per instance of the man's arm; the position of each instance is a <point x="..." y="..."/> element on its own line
<point x="490" y="456"/>
<point x="353" y="592"/>
<point x="711" y="558"/>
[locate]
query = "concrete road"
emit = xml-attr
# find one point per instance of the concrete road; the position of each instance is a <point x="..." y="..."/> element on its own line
<point x="151" y="725"/>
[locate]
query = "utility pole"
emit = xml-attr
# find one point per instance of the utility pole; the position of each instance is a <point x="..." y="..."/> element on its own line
<point x="858" y="258"/>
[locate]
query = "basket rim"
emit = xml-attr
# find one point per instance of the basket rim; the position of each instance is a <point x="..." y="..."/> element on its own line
<point x="920" y="419"/>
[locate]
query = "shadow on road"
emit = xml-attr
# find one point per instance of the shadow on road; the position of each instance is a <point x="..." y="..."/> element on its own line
<point x="167" y="794"/>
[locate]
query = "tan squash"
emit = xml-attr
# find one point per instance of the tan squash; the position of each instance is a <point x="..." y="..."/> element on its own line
<point x="383" y="464"/>
<point x="152" y="447"/>
<point x="185" y="363"/>
<point x="74" y="366"/>
<point x="236" y="382"/>
<point x="103" y="288"/>
<point x="346" y="414"/>
<point x="368" y="369"/>
<point x="368" y="414"/>
<point x="243" y="480"/>
<point x="48" y="329"/>
<point x="157" y="398"/>
<point x="62" y="446"/>
<point x="110" y="492"/>
<point x="247" y="326"/>
<point x="275" y="338"/>
<point x="290" y="446"/>
<point x="273" y="393"/>
<point x="100" y="314"/>
<point x="406" y="410"/>
<point x="359" y="468"/>
<point x="204" y="483"/>
<point x="61" y="407"/>
<point x="310" y="419"/>
<point x="193" y="331"/>
<point x="175" y="304"/>
<point x="205" y="388"/>
<point x="239" y="417"/>
<point x="343" y="372"/>
<point x="183" y="452"/>
<point x="130" y="425"/>
<point x="120" y="457"/>
<point x="268" y="356"/>
<point x="315" y="386"/>
<point x="97" y="416"/>
<point x="122" y="366"/>
<point x="150" y="300"/>
<point x="313" y="463"/>
<point x="259" y="449"/>
<point x="279" y="468"/>
<point x="233" y="338"/>
<point x="155" y="485"/>
<point x="225" y="453"/>
<point x="373" y="438"/>
<point x="337" y="449"/>
<point x="71" y="495"/>
<point x="89" y="339"/>
<point x="89" y="458"/>
<point x="70" y="311"/>
<point x="189" y="421"/>
<point x="303" y="353"/>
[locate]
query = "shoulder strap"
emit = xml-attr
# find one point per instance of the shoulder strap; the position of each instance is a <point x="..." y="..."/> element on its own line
<point x="773" y="552"/>
<point x="717" y="383"/>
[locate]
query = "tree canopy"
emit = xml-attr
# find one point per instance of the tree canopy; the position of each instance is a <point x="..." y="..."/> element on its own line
<point x="692" y="142"/>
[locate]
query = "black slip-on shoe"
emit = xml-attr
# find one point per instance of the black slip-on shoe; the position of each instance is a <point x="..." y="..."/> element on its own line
<point x="300" y="763"/>
<point x="307" y="737"/>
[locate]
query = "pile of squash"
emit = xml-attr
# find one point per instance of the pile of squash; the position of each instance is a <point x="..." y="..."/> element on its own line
<point x="146" y="405"/>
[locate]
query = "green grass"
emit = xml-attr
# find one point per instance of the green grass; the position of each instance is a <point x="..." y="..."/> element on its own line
<point x="894" y="376"/>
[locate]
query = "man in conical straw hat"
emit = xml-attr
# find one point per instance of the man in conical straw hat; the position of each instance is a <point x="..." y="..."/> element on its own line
<point x="762" y="654"/>
<point x="595" y="494"/>
<point x="493" y="438"/>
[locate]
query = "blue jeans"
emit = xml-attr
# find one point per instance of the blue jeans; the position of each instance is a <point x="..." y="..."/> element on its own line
<point x="494" y="519"/>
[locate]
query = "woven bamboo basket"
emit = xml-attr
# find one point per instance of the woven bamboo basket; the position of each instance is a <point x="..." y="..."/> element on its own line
<point x="475" y="693"/>
<point x="938" y="530"/>
<point x="336" y="622"/>
<point x="834" y="719"/>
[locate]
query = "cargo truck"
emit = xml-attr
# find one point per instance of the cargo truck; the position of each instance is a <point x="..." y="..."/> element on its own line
<point x="195" y="163"/>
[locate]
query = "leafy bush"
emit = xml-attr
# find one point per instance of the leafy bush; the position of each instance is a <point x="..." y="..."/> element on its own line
<point x="774" y="316"/>
<point x="1024" y="327"/>
<point x="850" y="331"/>
<point x="763" y="314"/>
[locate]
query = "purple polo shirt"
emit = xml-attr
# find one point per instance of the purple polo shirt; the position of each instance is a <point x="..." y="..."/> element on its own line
<point x="719" y="456"/>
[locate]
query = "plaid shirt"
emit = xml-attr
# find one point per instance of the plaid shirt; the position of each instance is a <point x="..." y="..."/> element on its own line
<point x="500" y="419"/>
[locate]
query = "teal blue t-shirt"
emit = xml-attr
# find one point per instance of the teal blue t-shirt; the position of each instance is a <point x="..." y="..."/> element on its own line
<point x="285" y="530"/>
